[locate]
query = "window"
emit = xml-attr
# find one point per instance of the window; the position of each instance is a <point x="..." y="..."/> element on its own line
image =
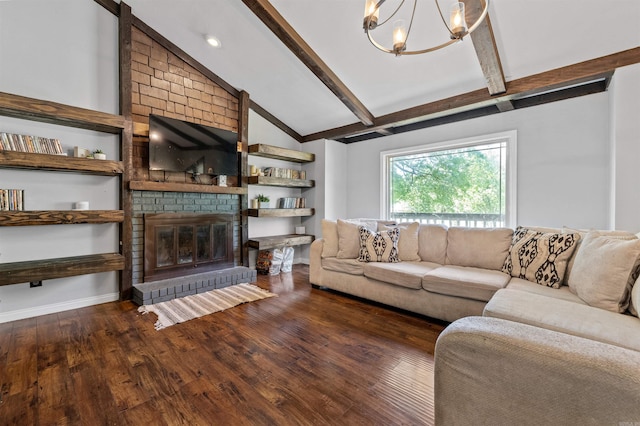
<point x="468" y="182"/>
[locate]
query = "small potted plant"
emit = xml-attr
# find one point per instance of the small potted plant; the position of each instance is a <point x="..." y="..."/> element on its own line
<point x="99" y="155"/>
<point x="263" y="200"/>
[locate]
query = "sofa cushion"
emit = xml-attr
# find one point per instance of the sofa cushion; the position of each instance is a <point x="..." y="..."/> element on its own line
<point x="478" y="247"/>
<point x="462" y="281"/>
<point x="432" y="243"/>
<point x="330" y="237"/>
<point x="566" y="317"/>
<point x="562" y="293"/>
<point x="349" y="237"/>
<point x="539" y="257"/>
<point x="605" y="270"/>
<point x="622" y="235"/>
<point x="348" y="266"/>
<point x="408" y="242"/>
<point x="634" y="303"/>
<point x="378" y="246"/>
<point x="404" y="274"/>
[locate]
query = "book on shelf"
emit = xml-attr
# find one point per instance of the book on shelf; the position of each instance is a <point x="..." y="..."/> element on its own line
<point x="279" y="172"/>
<point x="28" y="143"/>
<point x="292" y="203"/>
<point x="11" y="199"/>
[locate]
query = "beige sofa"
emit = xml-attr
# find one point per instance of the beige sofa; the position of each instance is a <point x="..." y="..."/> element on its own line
<point x="522" y="353"/>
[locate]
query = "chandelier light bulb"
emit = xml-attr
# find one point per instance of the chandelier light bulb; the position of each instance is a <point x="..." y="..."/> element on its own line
<point x="457" y="22"/>
<point x="371" y="14"/>
<point x="399" y="36"/>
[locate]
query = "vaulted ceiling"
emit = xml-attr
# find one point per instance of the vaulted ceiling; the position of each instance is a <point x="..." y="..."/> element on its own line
<point x="309" y="65"/>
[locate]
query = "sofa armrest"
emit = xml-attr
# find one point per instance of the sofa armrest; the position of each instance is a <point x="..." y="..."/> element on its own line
<point x="490" y="371"/>
<point x="315" y="261"/>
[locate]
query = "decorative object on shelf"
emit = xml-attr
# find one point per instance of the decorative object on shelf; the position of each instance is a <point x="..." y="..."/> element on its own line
<point x="222" y="180"/>
<point x="263" y="201"/>
<point x="253" y="170"/>
<point x="99" y="155"/>
<point x="300" y="230"/>
<point x="292" y="203"/>
<point x="81" y="205"/>
<point x="254" y="203"/>
<point x="454" y="32"/>
<point x="81" y="152"/>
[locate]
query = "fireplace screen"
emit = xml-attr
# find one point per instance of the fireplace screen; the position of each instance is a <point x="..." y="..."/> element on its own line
<point x="180" y="244"/>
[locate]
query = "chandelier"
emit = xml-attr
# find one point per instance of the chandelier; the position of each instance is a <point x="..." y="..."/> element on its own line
<point x="456" y="28"/>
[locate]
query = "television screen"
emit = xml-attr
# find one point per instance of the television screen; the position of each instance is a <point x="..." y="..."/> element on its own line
<point x="180" y="146"/>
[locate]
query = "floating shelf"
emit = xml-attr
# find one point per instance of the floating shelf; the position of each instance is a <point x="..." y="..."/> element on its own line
<point x="59" y="217"/>
<point x="275" y="152"/>
<point x="59" y="163"/>
<point x="47" y="269"/>
<point x="143" y="185"/>
<point x="280" y="212"/>
<point x="275" y="241"/>
<point x="66" y="115"/>
<point x="287" y="183"/>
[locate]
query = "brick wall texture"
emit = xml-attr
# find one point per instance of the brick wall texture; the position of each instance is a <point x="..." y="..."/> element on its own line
<point x="163" y="84"/>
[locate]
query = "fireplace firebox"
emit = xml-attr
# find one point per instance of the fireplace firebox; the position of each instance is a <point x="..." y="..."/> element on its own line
<point x="177" y="244"/>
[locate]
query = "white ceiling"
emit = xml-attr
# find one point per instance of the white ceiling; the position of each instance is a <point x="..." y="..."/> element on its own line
<point x="531" y="36"/>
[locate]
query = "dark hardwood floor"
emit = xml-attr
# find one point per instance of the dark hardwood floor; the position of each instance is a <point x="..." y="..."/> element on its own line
<point x="309" y="356"/>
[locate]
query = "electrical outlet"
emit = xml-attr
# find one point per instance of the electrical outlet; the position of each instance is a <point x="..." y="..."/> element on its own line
<point x="33" y="284"/>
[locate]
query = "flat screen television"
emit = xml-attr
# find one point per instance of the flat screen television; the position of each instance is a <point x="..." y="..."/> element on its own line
<point x="180" y="146"/>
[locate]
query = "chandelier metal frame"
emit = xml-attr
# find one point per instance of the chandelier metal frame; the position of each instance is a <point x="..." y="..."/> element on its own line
<point x="370" y="24"/>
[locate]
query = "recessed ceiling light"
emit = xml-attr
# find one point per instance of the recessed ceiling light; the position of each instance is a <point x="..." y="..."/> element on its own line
<point x="213" y="41"/>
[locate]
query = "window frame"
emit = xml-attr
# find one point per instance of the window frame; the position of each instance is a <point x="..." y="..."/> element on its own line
<point x="511" y="139"/>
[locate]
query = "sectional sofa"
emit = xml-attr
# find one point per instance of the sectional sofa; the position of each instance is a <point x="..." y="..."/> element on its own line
<point x="544" y="330"/>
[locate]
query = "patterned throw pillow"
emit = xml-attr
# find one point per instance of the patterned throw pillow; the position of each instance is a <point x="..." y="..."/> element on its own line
<point x="379" y="246"/>
<point x="539" y="257"/>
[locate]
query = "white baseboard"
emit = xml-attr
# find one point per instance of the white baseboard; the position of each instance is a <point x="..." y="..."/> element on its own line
<point x="57" y="307"/>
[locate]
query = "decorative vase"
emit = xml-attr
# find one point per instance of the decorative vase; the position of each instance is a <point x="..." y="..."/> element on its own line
<point x="254" y="203"/>
<point x="264" y="204"/>
<point x="100" y="156"/>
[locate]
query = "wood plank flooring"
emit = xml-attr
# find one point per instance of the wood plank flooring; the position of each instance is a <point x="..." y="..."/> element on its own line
<point x="306" y="357"/>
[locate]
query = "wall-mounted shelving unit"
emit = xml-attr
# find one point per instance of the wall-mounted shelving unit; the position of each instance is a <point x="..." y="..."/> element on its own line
<point x="284" y="154"/>
<point x="64" y="115"/>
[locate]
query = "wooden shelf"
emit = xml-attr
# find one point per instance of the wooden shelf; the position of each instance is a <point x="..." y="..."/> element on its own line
<point x="287" y="183"/>
<point x="142" y="185"/>
<point x="55" y="113"/>
<point x="59" y="217"/>
<point x="275" y="241"/>
<point x="60" y="163"/>
<point x="275" y="152"/>
<point x="280" y="212"/>
<point x="48" y="269"/>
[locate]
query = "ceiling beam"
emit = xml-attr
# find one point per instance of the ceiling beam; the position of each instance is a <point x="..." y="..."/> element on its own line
<point x="558" y="78"/>
<point x="285" y="32"/>
<point x="484" y="44"/>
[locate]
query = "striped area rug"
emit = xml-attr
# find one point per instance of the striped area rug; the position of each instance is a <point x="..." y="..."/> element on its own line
<point x="186" y="308"/>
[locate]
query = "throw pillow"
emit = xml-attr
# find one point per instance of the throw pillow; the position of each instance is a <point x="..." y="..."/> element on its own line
<point x="605" y="270"/>
<point x="539" y="257"/>
<point x="379" y="246"/>
<point x="634" y="303"/>
<point x="621" y="235"/>
<point x="330" y="237"/>
<point x="349" y="237"/>
<point x="408" y="242"/>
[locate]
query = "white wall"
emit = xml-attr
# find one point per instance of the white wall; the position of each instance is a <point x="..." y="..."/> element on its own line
<point x="563" y="161"/>
<point x="625" y="145"/>
<point x="67" y="53"/>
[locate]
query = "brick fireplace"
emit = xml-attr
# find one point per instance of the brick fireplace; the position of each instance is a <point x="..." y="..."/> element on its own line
<point x="152" y="203"/>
